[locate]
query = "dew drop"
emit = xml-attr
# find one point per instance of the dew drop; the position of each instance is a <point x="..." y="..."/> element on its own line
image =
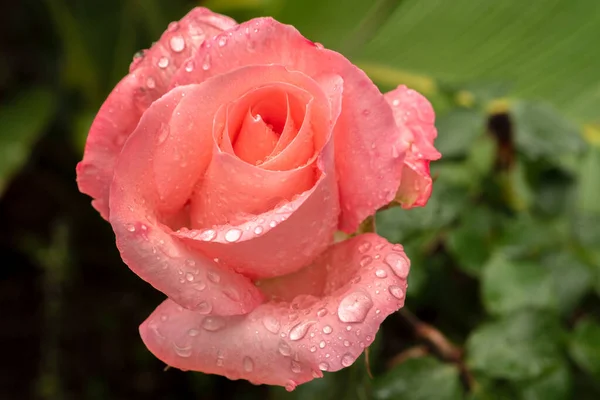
<point x="300" y="330"/>
<point x="189" y="277"/>
<point x="258" y="230"/>
<point x="324" y="366"/>
<point x="346" y="343"/>
<point x="222" y="41"/>
<point x="398" y="264"/>
<point x="284" y="348"/>
<point x="204" y="308"/>
<point x="273" y="224"/>
<point x="271" y="324"/>
<point x="364" y="247"/>
<point x="189" y="262"/>
<point x="177" y="43"/>
<point x="395" y="102"/>
<point x="150" y="82"/>
<point x="290" y="386"/>
<point x="354" y="307"/>
<point x="163" y="62"/>
<point x="163" y="318"/>
<point x="173" y="26"/>
<point x="296" y="367"/>
<point x="130" y="227"/>
<point x="233" y="235"/>
<point x="213" y="277"/>
<point x="184" y="352"/>
<point x="327" y="329"/>
<point x="189" y="66"/>
<point x="322" y="344"/>
<point x="396" y="291"/>
<point x="206" y="63"/>
<point x="321" y="312"/>
<point x="380" y="273"/>
<point x="248" y="364"/>
<point x="213" y="323"/>
<point x="199" y="285"/>
<point x="313" y="349"/>
<point x="208" y="235"/>
<point x="193" y="332"/>
<point x="366" y="260"/>
<point x="347" y="360"/>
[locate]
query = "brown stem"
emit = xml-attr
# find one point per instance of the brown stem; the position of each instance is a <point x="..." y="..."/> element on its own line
<point x="439" y="344"/>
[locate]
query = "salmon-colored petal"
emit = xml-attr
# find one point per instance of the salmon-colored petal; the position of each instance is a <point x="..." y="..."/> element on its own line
<point x="291" y="342"/>
<point x="368" y="162"/>
<point x="149" y="78"/>
<point x="232" y="189"/>
<point x="281" y="240"/>
<point x="154" y="175"/>
<point x="415" y="118"/>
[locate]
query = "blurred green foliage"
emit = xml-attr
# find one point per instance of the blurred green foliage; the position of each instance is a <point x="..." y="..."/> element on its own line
<point x="505" y="257"/>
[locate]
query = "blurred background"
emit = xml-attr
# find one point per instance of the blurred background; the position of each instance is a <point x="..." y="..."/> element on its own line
<point x="503" y="298"/>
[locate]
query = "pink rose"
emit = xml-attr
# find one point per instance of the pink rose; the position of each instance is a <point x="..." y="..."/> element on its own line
<point x="225" y="161"/>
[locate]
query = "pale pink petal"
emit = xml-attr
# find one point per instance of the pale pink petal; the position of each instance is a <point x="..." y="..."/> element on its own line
<point x="141" y="192"/>
<point x="368" y="162"/>
<point x="415" y="118"/>
<point x="149" y="78"/>
<point x="288" y="343"/>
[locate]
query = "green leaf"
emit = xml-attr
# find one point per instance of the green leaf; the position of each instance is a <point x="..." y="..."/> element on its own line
<point x="522" y="345"/>
<point x="420" y="379"/>
<point x="22" y="122"/>
<point x="584" y="346"/>
<point x="469" y="243"/>
<point x="508" y="286"/>
<point x="554" y="385"/>
<point x="482" y="155"/>
<point x="535" y="44"/>
<point x="457" y="130"/>
<point x="572" y="279"/>
<point x="540" y="131"/>
<point x="589" y="182"/>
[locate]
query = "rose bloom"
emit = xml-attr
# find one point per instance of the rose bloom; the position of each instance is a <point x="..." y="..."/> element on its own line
<point x="225" y="161"/>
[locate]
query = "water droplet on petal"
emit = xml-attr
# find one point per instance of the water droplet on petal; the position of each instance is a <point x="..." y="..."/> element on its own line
<point x="399" y="264"/>
<point x="313" y="349"/>
<point x="173" y="26"/>
<point x="258" y="230"/>
<point x="130" y="227"/>
<point x="206" y="63"/>
<point x="322" y="344"/>
<point x="199" y="285"/>
<point x="271" y="324"/>
<point x="366" y="260"/>
<point x="395" y="102"/>
<point x="380" y="273"/>
<point x="189" y="277"/>
<point x="204" y="308"/>
<point x="273" y="224"/>
<point x="189" y="66"/>
<point x="327" y="329"/>
<point x="364" y="247"/>
<point x="396" y="291"/>
<point x="296" y="367"/>
<point x="354" y="307"/>
<point x="163" y="62"/>
<point x="248" y="364"/>
<point x="300" y="330"/>
<point x="233" y="235"/>
<point x="321" y="312"/>
<point x="346" y="343"/>
<point x="177" y="43"/>
<point x="213" y="277"/>
<point x="324" y="366"/>
<point x="193" y="332"/>
<point x="190" y="262"/>
<point x="213" y="323"/>
<point x="347" y="360"/>
<point x="284" y="348"/>
<point x="208" y="235"/>
<point x="222" y="41"/>
<point x="182" y="351"/>
<point x="150" y="82"/>
<point x="290" y="386"/>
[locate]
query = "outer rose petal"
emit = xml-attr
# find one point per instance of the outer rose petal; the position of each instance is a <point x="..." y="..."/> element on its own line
<point x="288" y="343"/>
<point x="415" y="118"/>
<point x="189" y="278"/>
<point x="368" y="159"/>
<point x="149" y="78"/>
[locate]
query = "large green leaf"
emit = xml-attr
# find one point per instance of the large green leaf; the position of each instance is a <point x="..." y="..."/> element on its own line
<point x="542" y="47"/>
<point x="584" y="346"/>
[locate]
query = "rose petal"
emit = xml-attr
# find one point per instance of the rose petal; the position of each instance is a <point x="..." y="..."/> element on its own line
<point x="140" y="194"/>
<point x="149" y="78"/>
<point x="367" y="161"/>
<point x="289" y="343"/>
<point x="415" y="118"/>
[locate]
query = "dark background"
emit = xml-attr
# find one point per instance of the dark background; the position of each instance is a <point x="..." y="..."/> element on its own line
<point x="503" y="299"/>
